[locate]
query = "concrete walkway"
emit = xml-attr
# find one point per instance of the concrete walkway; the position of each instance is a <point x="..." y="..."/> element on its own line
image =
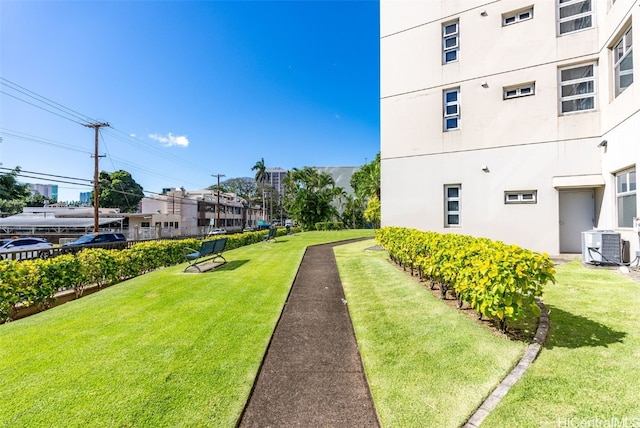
<point x="312" y="374"/>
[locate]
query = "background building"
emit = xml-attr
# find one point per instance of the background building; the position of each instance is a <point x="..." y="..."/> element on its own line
<point x="514" y="120"/>
<point x="275" y="176"/>
<point x="85" y="198"/>
<point x="47" y="190"/>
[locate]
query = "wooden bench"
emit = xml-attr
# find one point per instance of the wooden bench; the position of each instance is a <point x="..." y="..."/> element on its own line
<point x="211" y="249"/>
<point x="271" y="235"/>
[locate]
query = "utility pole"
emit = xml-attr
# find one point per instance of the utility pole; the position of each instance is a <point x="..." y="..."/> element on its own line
<point x="218" y="191"/>
<point x="96" y="187"/>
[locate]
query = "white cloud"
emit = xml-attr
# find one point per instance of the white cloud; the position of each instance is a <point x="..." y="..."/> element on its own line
<point x="171" y="140"/>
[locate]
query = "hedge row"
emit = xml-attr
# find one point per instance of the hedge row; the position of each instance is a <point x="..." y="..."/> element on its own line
<point x="35" y="282"/>
<point x="499" y="281"/>
<point x="329" y="225"/>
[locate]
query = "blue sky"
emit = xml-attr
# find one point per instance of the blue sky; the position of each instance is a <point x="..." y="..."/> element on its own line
<point x="190" y="88"/>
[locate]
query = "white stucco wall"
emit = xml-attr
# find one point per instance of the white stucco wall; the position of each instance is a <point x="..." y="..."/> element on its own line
<point x="526" y="142"/>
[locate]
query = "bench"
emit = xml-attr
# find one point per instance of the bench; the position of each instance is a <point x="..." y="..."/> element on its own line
<point x="271" y="235"/>
<point x="211" y="249"/>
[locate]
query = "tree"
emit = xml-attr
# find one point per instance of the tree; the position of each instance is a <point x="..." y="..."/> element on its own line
<point x="119" y="190"/>
<point x="353" y="212"/>
<point x="366" y="181"/>
<point x="13" y="194"/>
<point x="245" y="187"/>
<point x="10" y="188"/>
<point x="261" y="177"/>
<point x="308" y="195"/>
<point x="372" y="213"/>
<point x="36" y="200"/>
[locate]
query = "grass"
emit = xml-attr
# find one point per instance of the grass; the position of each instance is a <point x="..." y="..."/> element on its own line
<point x="427" y="364"/>
<point x="163" y="349"/>
<point x="588" y="372"/>
<point x="174" y="349"/>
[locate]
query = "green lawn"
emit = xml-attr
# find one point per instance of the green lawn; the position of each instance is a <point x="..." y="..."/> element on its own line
<point x="174" y="349"/>
<point x="588" y="372"/>
<point x="163" y="349"/>
<point x="427" y="364"/>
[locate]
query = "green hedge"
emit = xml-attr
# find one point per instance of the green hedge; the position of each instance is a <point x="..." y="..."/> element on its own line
<point x="35" y="282"/>
<point x="499" y="281"/>
<point x="329" y="225"/>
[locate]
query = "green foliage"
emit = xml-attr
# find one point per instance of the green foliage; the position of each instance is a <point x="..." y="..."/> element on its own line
<point x="499" y="281"/>
<point x="164" y="349"/>
<point x="366" y="181"/>
<point x="36" y="281"/>
<point x="373" y="211"/>
<point x="329" y="225"/>
<point x="353" y="213"/>
<point x="245" y="187"/>
<point x="119" y="190"/>
<point x="20" y="284"/>
<point x="14" y="196"/>
<point x="308" y="196"/>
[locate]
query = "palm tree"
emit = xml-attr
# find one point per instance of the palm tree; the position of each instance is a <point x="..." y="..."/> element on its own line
<point x="261" y="177"/>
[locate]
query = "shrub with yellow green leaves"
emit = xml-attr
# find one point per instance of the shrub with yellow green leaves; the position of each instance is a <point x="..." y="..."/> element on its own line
<point x="499" y="281"/>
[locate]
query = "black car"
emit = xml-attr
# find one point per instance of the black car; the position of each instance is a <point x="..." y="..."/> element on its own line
<point x="96" y="238"/>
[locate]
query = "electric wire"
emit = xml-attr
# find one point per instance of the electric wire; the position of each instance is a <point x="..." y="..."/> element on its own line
<point x="39" y="140"/>
<point x="42" y="108"/>
<point x="47" y="175"/>
<point x="81" y="119"/>
<point x="77" y="115"/>
<point x="185" y="200"/>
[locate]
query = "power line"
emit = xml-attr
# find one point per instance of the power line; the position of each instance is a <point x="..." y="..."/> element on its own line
<point x="47" y="175"/>
<point x="81" y="119"/>
<point x="38" y="140"/>
<point x="40" y="107"/>
<point x="14" y="86"/>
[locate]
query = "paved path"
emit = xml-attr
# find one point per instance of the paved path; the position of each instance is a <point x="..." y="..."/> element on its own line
<point x="312" y="374"/>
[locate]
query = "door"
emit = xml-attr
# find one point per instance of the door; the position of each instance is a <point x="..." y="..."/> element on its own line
<point x="577" y="214"/>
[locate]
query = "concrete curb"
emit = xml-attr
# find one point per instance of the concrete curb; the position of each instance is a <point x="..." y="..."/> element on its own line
<point x="520" y="369"/>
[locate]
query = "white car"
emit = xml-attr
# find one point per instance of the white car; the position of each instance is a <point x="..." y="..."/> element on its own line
<point x="25" y="248"/>
<point x="216" y="232"/>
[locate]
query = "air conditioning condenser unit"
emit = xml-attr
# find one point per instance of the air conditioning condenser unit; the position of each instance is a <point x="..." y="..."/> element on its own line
<point x="601" y="247"/>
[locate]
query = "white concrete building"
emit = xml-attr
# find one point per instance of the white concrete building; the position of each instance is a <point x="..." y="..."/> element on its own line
<point x="511" y="119"/>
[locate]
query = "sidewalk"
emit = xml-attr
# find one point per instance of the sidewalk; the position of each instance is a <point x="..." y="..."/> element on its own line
<point x="312" y="374"/>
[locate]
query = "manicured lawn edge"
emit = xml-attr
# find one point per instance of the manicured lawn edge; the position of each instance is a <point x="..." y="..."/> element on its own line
<point x="427" y="364"/>
<point x="587" y="371"/>
<point x="162" y="349"/>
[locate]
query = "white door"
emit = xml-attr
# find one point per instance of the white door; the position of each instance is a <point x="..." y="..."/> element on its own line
<point x="577" y="214"/>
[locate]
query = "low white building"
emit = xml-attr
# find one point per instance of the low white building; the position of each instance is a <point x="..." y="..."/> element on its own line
<point x="179" y="212"/>
<point x="515" y="120"/>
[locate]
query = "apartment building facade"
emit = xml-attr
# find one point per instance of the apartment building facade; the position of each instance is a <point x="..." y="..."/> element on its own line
<point x="510" y="119"/>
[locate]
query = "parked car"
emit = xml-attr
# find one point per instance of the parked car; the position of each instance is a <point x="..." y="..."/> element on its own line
<point x="249" y="229"/>
<point x="29" y="247"/>
<point x="99" y="238"/>
<point x="216" y="232"/>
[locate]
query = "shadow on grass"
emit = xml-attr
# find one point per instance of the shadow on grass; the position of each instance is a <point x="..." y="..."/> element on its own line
<point x="232" y="265"/>
<point x="575" y="331"/>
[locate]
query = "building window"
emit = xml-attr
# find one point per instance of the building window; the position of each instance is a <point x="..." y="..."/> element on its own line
<point x="514" y="17"/>
<point x="626" y="197"/>
<point x="450" y="42"/>
<point x="623" y="62"/>
<point x="521" y="197"/>
<point x="578" y="88"/>
<point x="574" y="15"/>
<point x="519" y="91"/>
<point x="451" y="104"/>
<point x="452" y="200"/>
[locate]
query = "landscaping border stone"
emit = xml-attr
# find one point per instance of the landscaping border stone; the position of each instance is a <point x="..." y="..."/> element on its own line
<point x="530" y="354"/>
